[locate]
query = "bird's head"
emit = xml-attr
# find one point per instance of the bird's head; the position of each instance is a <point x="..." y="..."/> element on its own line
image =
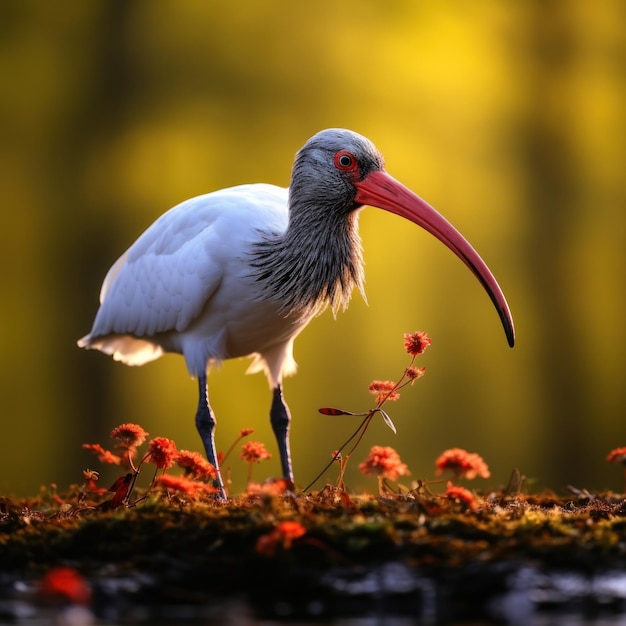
<point x="329" y="167"/>
<point x="338" y="171"/>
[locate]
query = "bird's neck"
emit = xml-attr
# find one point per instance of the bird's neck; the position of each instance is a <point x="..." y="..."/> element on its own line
<point x="315" y="263"/>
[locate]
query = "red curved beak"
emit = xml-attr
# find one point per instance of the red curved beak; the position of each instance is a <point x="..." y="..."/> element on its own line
<point x="381" y="190"/>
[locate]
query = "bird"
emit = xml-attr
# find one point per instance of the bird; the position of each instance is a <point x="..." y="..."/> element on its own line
<point x="241" y="271"/>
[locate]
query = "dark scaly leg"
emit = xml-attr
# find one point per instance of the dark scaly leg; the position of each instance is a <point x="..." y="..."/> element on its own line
<point x="280" y="419"/>
<point x="205" y="423"/>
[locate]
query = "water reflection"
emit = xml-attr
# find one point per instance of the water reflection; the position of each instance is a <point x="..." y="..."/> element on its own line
<point x="390" y="595"/>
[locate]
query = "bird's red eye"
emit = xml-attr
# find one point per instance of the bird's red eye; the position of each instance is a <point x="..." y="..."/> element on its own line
<point x="345" y="161"/>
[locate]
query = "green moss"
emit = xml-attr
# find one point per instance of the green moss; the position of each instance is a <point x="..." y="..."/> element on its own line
<point x="426" y="531"/>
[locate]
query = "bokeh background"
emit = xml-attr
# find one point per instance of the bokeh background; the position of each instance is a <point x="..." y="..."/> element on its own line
<point x="510" y="118"/>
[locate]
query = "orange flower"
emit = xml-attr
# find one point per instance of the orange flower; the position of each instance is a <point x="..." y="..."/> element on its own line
<point x="162" y="452"/>
<point x="91" y="475"/>
<point x="184" y="485"/>
<point x="462" y="463"/>
<point x="283" y="534"/>
<point x="244" y="432"/>
<point x="130" y="435"/>
<point x="104" y="456"/>
<point x="414" y="372"/>
<point x="617" y="456"/>
<point x="195" y="465"/>
<point x="290" y="530"/>
<point x="384" y="390"/>
<point x="275" y="487"/>
<point x="91" y="482"/>
<point x="254" y="452"/>
<point x="384" y="461"/>
<point x="460" y="495"/>
<point x="416" y="343"/>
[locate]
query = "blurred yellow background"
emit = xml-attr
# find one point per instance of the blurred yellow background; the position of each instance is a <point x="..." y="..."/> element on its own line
<point x="510" y="118"/>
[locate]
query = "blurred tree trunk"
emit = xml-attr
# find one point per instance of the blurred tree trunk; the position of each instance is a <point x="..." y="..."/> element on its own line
<point x="552" y="172"/>
<point x="79" y="245"/>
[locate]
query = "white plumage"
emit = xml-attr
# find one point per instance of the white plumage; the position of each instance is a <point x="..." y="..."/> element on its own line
<point x="186" y="286"/>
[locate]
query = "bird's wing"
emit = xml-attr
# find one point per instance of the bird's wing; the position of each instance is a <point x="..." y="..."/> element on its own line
<point x="165" y="279"/>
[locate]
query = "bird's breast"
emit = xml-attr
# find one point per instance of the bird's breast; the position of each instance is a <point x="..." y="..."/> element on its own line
<point x="237" y="321"/>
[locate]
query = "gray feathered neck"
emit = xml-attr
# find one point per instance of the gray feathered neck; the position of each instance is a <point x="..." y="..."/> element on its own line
<point x="318" y="260"/>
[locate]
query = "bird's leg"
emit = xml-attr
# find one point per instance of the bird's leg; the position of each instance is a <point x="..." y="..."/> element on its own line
<point x="280" y="419"/>
<point x="205" y="423"/>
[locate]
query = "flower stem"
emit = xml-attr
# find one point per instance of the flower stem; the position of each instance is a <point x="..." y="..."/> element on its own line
<point x="232" y="447"/>
<point x="363" y="425"/>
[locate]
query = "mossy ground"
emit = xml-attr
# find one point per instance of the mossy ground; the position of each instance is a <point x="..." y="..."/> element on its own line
<point x="581" y="530"/>
<point x="203" y="548"/>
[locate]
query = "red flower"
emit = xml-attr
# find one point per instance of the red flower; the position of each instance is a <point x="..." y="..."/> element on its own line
<point x="416" y="343"/>
<point x="254" y="452"/>
<point x="91" y="482"/>
<point x="184" y="485"/>
<point x="460" y="495"/>
<point x="104" y="456"/>
<point x="462" y="463"/>
<point x="275" y="487"/>
<point x="290" y="531"/>
<point x="414" y="372"/>
<point x="617" y="456"/>
<point x="283" y="534"/>
<point x="384" y="461"/>
<point x="195" y="465"/>
<point x="130" y="435"/>
<point x="384" y="390"/>
<point x="162" y="452"/>
<point x="244" y="432"/>
<point x="66" y="583"/>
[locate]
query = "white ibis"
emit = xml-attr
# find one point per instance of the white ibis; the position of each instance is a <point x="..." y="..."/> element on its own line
<point x="241" y="271"/>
